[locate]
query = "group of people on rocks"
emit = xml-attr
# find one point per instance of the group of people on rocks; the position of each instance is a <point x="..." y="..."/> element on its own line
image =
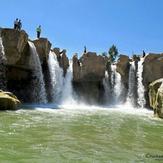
<point x="18" y="26"/>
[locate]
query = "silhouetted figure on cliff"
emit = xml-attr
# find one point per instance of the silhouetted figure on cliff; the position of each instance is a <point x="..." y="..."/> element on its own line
<point x="19" y="25"/>
<point x="144" y="54"/>
<point x="85" y="49"/>
<point x="16" y="24"/>
<point x="38" y="30"/>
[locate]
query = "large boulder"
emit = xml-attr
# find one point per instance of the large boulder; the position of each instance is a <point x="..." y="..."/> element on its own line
<point x="156" y="97"/>
<point x="88" y="74"/>
<point x="8" y="101"/>
<point x="43" y="47"/>
<point x="153" y="70"/>
<point x="14" y="43"/>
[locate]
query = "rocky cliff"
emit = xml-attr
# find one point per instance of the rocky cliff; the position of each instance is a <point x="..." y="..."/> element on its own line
<point x="18" y="71"/>
<point x="88" y="74"/>
<point x="15" y="44"/>
<point x="153" y="70"/>
<point x="19" y="65"/>
<point x="43" y="47"/>
<point x="123" y="66"/>
<point x="62" y="59"/>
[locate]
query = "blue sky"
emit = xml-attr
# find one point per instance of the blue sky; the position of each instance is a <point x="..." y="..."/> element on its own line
<point x="132" y="25"/>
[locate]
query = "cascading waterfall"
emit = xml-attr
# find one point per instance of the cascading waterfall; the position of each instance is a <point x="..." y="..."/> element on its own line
<point x="141" y="99"/>
<point x="131" y="82"/>
<point x="38" y="85"/>
<point x="112" y="88"/>
<point x="117" y="84"/>
<point x="2" y="66"/>
<point x="107" y="88"/>
<point x="67" y="90"/>
<point x="56" y="74"/>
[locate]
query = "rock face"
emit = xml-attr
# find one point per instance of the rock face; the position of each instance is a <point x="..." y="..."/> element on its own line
<point x="14" y="43"/>
<point x="43" y="48"/>
<point x="89" y="67"/>
<point x="156" y="97"/>
<point x="8" y="101"/>
<point x="153" y="70"/>
<point x="123" y="66"/>
<point x="88" y="74"/>
<point x="18" y="71"/>
<point x="62" y="59"/>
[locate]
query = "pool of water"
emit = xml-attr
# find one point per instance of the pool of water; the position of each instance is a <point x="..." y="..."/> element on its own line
<point x="83" y="134"/>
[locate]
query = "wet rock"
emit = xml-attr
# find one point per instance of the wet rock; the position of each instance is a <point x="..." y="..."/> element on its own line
<point x="8" y="101"/>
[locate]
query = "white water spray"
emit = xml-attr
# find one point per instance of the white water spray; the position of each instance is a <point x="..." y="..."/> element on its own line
<point x="56" y="74"/>
<point x="2" y="66"/>
<point x="141" y="98"/>
<point x="39" y="92"/>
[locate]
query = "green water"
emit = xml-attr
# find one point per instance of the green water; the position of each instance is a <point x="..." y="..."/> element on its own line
<point x="86" y="136"/>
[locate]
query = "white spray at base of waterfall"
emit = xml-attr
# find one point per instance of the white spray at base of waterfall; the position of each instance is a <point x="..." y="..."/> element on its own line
<point x="56" y="74"/>
<point x="38" y="89"/>
<point x="141" y="99"/>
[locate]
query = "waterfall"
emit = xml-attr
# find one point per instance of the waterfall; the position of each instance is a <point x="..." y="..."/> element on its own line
<point x="117" y="84"/>
<point x="67" y="90"/>
<point x="56" y="74"/>
<point x="107" y="88"/>
<point x="131" y="84"/>
<point x="2" y="67"/>
<point x="141" y="98"/>
<point x="114" y="87"/>
<point x="38" y="85"/>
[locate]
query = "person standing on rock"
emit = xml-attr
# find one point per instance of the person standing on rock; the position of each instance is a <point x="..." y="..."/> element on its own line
<point x="85" y="49"/>
<point x="19" y="25"/>
<point x="38" y="30"/>
<point x="144" y="54"/>
<point x="16" y="24"/>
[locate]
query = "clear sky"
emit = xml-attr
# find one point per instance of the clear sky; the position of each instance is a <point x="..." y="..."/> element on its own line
<point x="132" y="25"/>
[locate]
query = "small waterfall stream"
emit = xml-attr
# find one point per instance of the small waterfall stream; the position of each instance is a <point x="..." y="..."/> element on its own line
<point x="117" y="84"/>
<point x="38" y="85"/>
<point x="131" y="82"/>
<point x="67" y="93"/>
<point x="141" y="99"/>
<point x="107" y="88"/>
<point x="57" y="78"/>
<point x="2" y="67"/>
<point x="114" y="87"/>
<point x="62" y="90"/>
